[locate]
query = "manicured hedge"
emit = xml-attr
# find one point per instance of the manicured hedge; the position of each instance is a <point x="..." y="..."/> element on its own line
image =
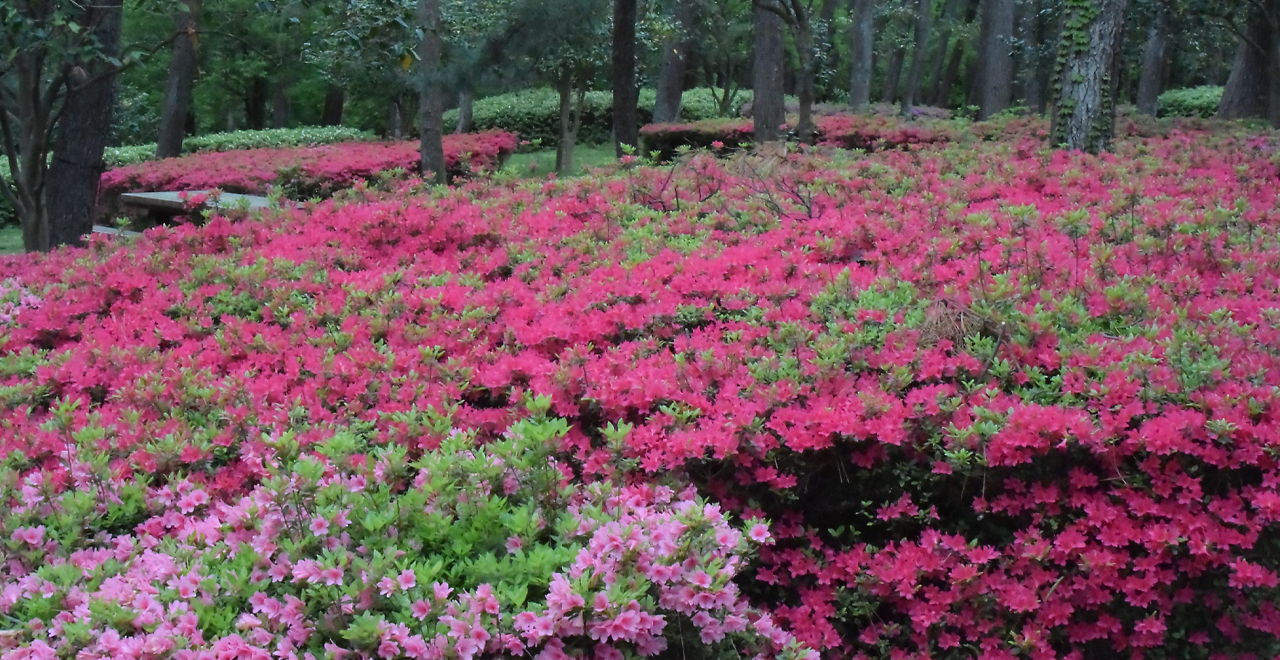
<point x="535" y="113"/>
<point x="306" y="136"/>
<point x="870" y="133"/>
<point x="1190" y="102"/>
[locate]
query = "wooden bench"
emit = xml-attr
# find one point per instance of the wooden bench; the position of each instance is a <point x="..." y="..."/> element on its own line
<point x="112" y="231"/>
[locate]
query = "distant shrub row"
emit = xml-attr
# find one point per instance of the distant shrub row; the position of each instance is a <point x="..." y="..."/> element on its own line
<point x="306" y="136"/>
<point x="1190" y="102"/>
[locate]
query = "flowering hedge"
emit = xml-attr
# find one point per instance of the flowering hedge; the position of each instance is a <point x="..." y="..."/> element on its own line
<point x="870" y="133"/>
<point x="997" y="401"/>
<point x="306" y="171"/>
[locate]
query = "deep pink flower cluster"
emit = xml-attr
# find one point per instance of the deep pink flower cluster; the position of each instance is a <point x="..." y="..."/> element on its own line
<point x="1000" y="401"/>
<point x="311" y="170"/>
<point x="866" y="132"/>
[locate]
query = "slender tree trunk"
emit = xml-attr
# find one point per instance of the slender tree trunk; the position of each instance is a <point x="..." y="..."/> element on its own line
<point x="768" y="109"/>
<point x="466" y="111"/>
<point x="805" y="77"/>
<point x="675" y="56"/>
<point x="940" y="53"/>
<point x="1273" y="96"/>
<point x="334" y="98"/>
<point x="281" y="106"/>
<point x="1035" y="69"/>
<point x="1084" y="113"/>
<point x="1246" y="91"/>
<point x="860" y="53"/>
<point x="431" y="103"/>
<point x="924" y="10"/>
<point x="995" y="58"/>
<point x="626" y="126"/>
<point x="255" y="104"/>
<point x="72" y="192"/>
<point x="177" y="89"/>
<point x="395" y="118"/>
<point x="892" y="76"/>
<point x="568" y="132"/>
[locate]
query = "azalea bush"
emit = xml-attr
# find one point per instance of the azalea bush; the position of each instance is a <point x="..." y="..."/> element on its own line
<point x="996" y="401"/>
<point x="456" y="552"/>
<point x="867" y="132"/>
<point x="307" y="171"/>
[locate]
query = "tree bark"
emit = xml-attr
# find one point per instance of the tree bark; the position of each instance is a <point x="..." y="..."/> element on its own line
<point x="626" y="126"/>
<point x="281" y="106"/>
<point x="466" y="111"/>
<point x="924" y="9"/>
<point x="334" y="98"/>
<point x="72" y="189"/>
<point x="860" y="53"/>
<point x="178" y="83"/>
<point x="1152" y="64"/>
<point x="768" y="109"/>
<point x="675" y="55"/>
<point x="940" y="53"/>
<point x="1084" y="112"/>
<point x="568" y="136"/>
<point x="1036" y="73"/>
<point x="995" y="58"/>
<point x="893" y="76"/>
<point x="805" y="78"/>
<point x="255" y="104"/>
<point x="431" y="104"/>
<point x="1245" y="94"/>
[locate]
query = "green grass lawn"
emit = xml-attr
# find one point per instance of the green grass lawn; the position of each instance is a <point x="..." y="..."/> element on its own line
<point x="10" y="239"/>
<point x="538" y="164"/>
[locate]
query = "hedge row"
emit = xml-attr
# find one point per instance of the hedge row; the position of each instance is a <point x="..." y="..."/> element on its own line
<point x="869" y="133"/>
<point x="271" y="138"/>
<point x="535" y="113"/>
<point x="1190" y="102"/>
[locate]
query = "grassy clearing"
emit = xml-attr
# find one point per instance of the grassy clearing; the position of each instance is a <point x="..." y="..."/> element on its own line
<point x="538" y="164"/>
<point x="10" y="239"/>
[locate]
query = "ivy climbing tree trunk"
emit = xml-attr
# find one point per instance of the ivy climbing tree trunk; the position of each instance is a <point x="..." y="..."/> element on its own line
<point x="626" y="126"/>
<point x="178" y="82"/>
<point x="431" y="104"/>
<point x="995" y="57"/>
<point x="768" y="109"/>
<point x="860" y="54"/>
<point x="1084" y="111"/>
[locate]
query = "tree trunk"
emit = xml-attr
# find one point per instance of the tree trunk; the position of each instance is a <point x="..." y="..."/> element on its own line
<point x="995" y="69"/>
<point x="940" y="54"/>
<point x="924" y="9"/>
<point x="675" y="55"/>
<point x="768" y="108"/>
<point x="805" y="77"/>
<point x="892" y="76"/>
<point x="1035" y="68"/>
<point x="334" y="98"/>
<point x="281" y="107"/>
<point x="1152" y="64"/>
<point x="942" y="94"/>
<point x="860" y="53"/>
<point x="1245" y="94"/>
<point x="431" y="103"/>
<point x="570" y="122"/>
<point x="466" y="111"/>
<point x="626" y="126"/>
<point x="1084" y="112"/>
<point x="255" y="104"/>
<point x="72" y="189"/>
<point x="177" y="89"/>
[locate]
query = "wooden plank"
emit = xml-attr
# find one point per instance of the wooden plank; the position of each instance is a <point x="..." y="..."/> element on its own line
<point x="112" y="231"/>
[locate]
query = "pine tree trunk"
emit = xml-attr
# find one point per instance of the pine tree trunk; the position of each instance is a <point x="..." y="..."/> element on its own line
<point x="892" y="76"/>
<point x="431" y="104"/>
<point x="181" y="76"/>
<point x="860" y="53"/>
<point x="1084" y="111"/>
<point x="1245" y="94"/>
<point x="72" y="188"/>
<point x="768" y="109"/>
<point x="995" y="58"/>
<point x="924" y="9"/>
<point x="1152" y="64"/>
<point x="626" y="126"/>
<point x="675" y="55"/>
<point x="334" y="98"/>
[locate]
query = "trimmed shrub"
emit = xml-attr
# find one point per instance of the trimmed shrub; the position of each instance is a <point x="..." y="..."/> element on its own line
<point x="1190" y="102"/>
<point x="535" y="113"/>
<point x="869" y="133"/>
<point x="272" y="138"/>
